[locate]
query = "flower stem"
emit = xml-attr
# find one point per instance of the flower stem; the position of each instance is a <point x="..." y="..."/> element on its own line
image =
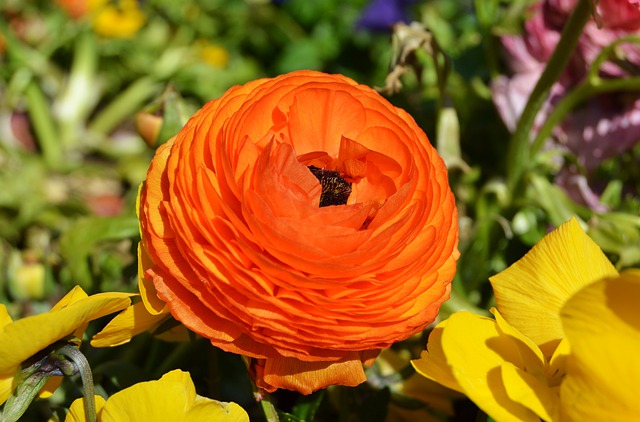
<point x="43" y="125"/>
<point x="80" y="361"/>
<point x="124" y="105"/>
<point x="269" y="409"/>
<point x="574" y="98"/>
<point x="79" y="96"/>
<point x="519" y="153"/>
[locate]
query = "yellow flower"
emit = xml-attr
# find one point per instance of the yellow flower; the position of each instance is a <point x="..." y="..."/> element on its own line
<point x="212" y="54"/>
<point x="602" y="324"/>
<point x="171" y="398"/>
<point x="19" y="340"/>
<point x="116" y="19"/>
<point x="512" y="366"/>
<point x="532" y="291"/>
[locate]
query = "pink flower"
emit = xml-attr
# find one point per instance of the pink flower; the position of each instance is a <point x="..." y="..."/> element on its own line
<point x="606" y="125"/>
<point x="620" y="14"/>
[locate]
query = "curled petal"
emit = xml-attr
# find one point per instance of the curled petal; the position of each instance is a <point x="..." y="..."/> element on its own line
<point x="307" y="377"/>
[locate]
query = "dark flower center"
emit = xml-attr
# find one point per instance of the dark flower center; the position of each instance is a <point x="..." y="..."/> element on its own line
<point x="335" y="190"/>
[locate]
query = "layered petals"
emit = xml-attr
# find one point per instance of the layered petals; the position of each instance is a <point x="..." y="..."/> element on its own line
<point x="171" y="398"/>
<point x="602" y="324"/>
<point x="241" y="251"/>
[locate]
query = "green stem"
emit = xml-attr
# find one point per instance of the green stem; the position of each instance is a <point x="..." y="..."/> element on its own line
<point x="43" y="125"/>
<point x="124" y="105"/>
<point x="580" y="94"/>
<point x="79" y="95"/>
<point x="269" y="409"/>
<point x="519" y="154"/>
<point x="80" y="361"/>
<point x="486" y="11"/>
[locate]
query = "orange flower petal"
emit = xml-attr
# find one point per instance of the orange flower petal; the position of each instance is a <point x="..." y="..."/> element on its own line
<point x="307" y="377"/>
<point x="241" y="252"/>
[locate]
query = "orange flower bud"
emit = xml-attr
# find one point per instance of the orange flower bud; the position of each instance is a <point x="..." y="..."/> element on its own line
<point x="148" y="126"/>
<point x="244" y="250"/>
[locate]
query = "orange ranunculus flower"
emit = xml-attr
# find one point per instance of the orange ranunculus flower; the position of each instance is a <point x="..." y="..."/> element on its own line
<point x="302" y="221"/>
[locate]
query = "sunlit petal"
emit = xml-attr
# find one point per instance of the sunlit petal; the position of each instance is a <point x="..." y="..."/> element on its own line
<point x="23" y="338"/>
<point x="433" y="363"/>
<point x="602" y="324"/>
<point x="171" y="398"/>
<point x="530" y="293"/>
<point x="128" y="323"/>
<point x="6" y="386"/>
<point x="148" y="292"/>
<point x="306" y="377"/>
<point x="531" y="358"/>
<point x="476" y="351"/>
<point x="77" y="413"/>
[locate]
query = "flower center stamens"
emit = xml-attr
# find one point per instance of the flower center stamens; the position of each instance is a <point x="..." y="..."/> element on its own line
<point x="335" y="190"/>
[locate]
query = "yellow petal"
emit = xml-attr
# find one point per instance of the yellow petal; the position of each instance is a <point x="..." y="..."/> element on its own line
<point x="172" y="398"/>
<point x="557" y="367"/>
<point x="530" y="356"/>
<point x="531" y="292"/>
<point x="73" y="296"/>
<point x="132" y="321"/>
<point x="6" y="386"/>
<point x="602" y="324"/>
<point x="76" y="410"/>
<point x="25" y="337"/>
<point x="148" y="291"/>
<point x="476" y="351"/>
<point x="212" y="410"/>
<point x="433" y="363"/>
<point x="530" y="391"/>
<point x="433" y="394"/>
<point x="6" y="380"/>
<point x="50" y="387"/>
<point x="5" y="318"/>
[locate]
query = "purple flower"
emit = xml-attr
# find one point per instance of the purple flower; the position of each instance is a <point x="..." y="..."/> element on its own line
<point x="381" y="15"/>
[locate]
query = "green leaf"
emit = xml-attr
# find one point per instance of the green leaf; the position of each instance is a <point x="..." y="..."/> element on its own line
<point x="23" y="395"/>
<point x="79" y="241"/>
<point x="306" y="406"/>
<point x="175" y="115"/>
<point x="288" y="417"/>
